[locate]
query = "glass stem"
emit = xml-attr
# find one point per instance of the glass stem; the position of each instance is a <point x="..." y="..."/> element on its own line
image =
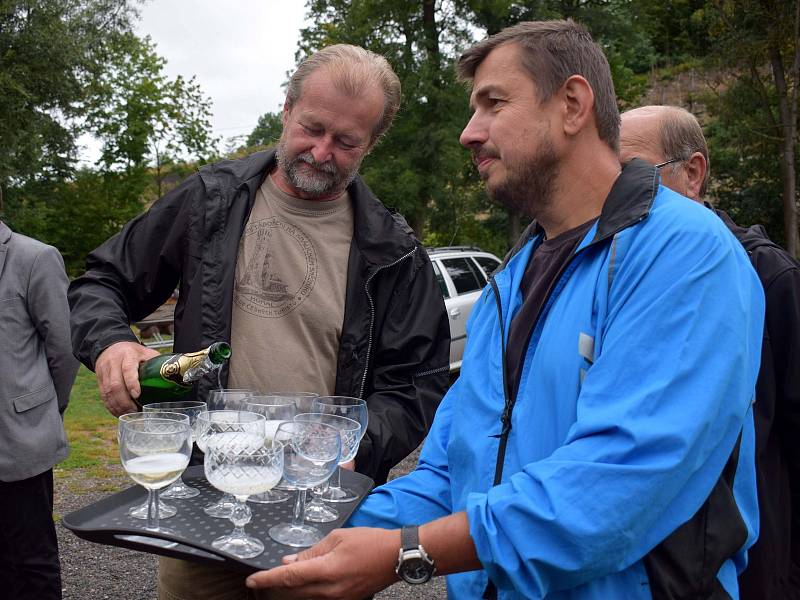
<point x="299" y="508"/>
<point x="338" y="483"/>
<point x="240" y="516"/>
<point x="152" y="509"/>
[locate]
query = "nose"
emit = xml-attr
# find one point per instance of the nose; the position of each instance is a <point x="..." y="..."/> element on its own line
<point x="322" y="151"/>
<point x="475" y="133"/>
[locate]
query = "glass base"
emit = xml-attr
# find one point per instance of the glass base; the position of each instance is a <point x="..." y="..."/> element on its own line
<point x="165" y="511"/>
<point x="317" y="512"/>
<point x="222" y="508"/>
<point x="297" y="536"/>
<point x="245" y="546"/>
<point x="337" y="494"/>
<point x="271" y="497"/>
<point x="179" y="491"/>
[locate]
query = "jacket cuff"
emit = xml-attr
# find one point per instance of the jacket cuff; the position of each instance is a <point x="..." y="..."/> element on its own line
<point x="481" y="531"/>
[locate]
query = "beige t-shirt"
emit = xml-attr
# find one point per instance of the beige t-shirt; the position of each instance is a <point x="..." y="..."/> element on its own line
<point x="289" y="293"/>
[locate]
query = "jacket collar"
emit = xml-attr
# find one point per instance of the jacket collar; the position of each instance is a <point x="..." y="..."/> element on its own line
<point x="5" y="233"/>
<point x="5" y="236"/>
<point x="629" y="201"/>
<point x="380" y="235"/>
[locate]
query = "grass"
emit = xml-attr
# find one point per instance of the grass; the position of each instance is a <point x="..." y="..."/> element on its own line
<point x="91" y="429"/>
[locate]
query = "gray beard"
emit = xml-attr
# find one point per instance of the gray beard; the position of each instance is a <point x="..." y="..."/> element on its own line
<point x="326" y="180"/>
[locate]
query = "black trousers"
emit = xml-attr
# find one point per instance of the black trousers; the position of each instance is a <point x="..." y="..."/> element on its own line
<point x="29" y="567"/>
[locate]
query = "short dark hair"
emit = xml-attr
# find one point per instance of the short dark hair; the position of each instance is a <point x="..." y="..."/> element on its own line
<point x="351" y="68"/>
<point x="553" y="51"/>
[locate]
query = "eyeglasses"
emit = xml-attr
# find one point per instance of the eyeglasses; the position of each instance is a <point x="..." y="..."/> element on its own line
<point x="668" y="162"/>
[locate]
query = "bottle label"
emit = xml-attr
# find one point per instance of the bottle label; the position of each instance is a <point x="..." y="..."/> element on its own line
<point x="176" y="367"/>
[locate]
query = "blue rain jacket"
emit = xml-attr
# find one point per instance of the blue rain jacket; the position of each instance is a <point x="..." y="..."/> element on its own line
<point x="637" y="385"/>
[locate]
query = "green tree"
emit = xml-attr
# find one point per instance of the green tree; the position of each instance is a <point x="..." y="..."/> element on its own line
<point x="49" y="51"/>
<point x="758" y="47"/>
<point x="144" y="118"/>
<point x="267" y="131"/>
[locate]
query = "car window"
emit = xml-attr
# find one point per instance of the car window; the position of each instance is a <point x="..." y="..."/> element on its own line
<point x="440" y="279"/>
<point x="464" y="275"/>
<point x="487" y="264"/>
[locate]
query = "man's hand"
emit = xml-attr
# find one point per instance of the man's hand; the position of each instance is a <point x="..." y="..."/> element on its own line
<point x="347" y="564"/>
<point x="117" y="370"/>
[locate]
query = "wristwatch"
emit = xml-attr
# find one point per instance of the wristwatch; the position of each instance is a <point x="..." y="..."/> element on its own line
<point x="414" y="566"/>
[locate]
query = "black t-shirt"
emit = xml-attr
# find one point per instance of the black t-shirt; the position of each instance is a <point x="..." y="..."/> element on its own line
<point x="540" y="275"/>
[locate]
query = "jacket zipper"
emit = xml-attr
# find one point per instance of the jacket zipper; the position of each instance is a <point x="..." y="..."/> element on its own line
<point x="372" y="315"/>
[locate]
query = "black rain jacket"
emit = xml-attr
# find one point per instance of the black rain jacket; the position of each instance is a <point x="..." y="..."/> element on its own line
<point x="395" y="337"/>
<point x="773" y="569"/>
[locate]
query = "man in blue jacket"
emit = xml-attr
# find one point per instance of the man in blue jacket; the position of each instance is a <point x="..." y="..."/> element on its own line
<point x="599" y="442"/>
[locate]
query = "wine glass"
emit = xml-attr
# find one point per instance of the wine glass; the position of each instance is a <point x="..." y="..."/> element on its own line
<point x="140" y="511"/>
<point x="154" y="449"/>
<point x="352" y="408"/>
<point x="241" y="470"/>
<point x="310" y="454"/>
<point x="350" y="432"/>
<point x="234" y="429"/>
<point x="302" y="400"/>
<point x="190" y="408"/>
<point x="276" y="409"/>
<point x="228" y="399"/>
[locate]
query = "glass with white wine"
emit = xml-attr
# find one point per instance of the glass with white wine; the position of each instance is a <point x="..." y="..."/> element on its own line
<point x="242" y="471"/>
<point x="190" y="408"/>
<point x="233" y="429"/>
<point x="154" y="449"/>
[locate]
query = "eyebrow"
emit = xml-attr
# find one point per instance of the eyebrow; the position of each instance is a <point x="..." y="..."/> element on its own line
<point x="483" y="92"/>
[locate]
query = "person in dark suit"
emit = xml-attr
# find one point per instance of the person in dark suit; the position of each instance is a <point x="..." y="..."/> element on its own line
<point x="37" y="370"/>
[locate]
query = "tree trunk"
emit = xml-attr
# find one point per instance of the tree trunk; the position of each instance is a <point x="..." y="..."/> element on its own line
<point x="787" y="105"/>
<point x="417" y="222"/>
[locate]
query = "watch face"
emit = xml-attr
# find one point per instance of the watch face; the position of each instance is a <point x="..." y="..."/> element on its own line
<point x="415" y="570"/>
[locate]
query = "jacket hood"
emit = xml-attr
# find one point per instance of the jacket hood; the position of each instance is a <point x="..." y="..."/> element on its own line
<point x="750" y="237"/>
<point x="379" y="233"/>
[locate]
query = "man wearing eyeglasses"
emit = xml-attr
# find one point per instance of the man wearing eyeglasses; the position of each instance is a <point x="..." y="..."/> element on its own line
<point x="672" y="139"/>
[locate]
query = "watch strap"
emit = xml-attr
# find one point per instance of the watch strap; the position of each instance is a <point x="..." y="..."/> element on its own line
<point x="409" y="537"/>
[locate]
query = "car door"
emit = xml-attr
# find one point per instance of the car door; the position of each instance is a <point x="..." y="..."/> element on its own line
<point x="466" y="283"/>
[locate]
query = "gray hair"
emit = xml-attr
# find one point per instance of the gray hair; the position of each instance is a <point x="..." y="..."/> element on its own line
<point x="351" y="68"/>
<point x="682" y="136"/>
<point x="553" y="51"/>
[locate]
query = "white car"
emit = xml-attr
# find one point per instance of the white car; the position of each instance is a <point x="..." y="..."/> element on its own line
<point x="462" y="272"/>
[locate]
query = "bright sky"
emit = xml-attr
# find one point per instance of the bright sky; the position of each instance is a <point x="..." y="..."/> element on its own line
<point x="239" y="51"/>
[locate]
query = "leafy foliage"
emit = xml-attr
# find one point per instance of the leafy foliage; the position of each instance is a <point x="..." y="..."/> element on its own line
<point x="267" y="131"/>
<point x="142" y="116"/>
<point x="49" y="51"/>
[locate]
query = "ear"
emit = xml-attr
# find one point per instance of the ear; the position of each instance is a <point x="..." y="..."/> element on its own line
<point x="285" y="113"/>
<point x="695" y="169"/>
<point x="578" y="100"/>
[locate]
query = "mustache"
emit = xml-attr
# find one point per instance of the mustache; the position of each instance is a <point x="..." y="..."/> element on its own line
<point x="308" y="158"/>
<point x="484" y="153"/>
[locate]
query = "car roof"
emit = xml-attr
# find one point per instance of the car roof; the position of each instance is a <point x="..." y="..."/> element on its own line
<point x="460" y="250"/>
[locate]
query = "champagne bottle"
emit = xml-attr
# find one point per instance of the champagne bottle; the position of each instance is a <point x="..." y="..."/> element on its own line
<point x="170" y="376"/>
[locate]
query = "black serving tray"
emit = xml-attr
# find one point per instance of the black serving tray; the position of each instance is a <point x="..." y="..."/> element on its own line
<point x="107" y="522"/>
